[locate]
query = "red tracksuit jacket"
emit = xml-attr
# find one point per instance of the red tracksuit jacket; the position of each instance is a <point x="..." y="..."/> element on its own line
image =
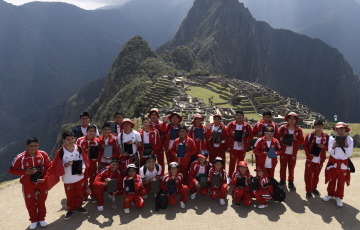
<point x="24" y="161"/>
<point x="258" y="128"/>
<point x="166" y="130"/>
<point x="179" y="180"/>
<point x="222" y="173"/>
<point x="308" y="144"/>
<point x="189" y="150"/>
<point x="112" y="141"/>
<point x="297" y="132"/>
<point x="261" y="146"/>
<point x="234" y="180"/>
<point x="107" y="173"/>
<point x="201" y="145"/>
<point x="84" y="143"/>
<point x="223" y="137"/>
<point x="246" y="128"/>
<point x="195" y="167"/>
<point x="137" y="184"/>
<point x="154" y="140"/>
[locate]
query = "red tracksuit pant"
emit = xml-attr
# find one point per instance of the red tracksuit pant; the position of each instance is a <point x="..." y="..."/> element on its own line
<point x="261" y="197"/>
<point x="203" y="190"/>
<point x="35" y="207"/>
<point x="336" y="185"/>
<point x="311" y="175"/>
<point x="270" y="172"/>
<point x="287" y="160"/>
<point x="183" y="190"/>
<point x="240" y="194"/>
<point x="235" y="157"/>
<point x="216" y="152"/>
<point x="216" y="192"/>
<point x="184" y="169"/>
<point x="74" y="194"/>
<point x="137" y="199"/>
<point x="98" y="192"/>
<point x="91" y="174"/>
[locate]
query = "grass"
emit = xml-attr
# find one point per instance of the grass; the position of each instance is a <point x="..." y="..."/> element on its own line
<point x="205" y="94"/>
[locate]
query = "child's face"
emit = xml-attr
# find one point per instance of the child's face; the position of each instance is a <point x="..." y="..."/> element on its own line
<point x="239" y="117"/>
<point x="106" y="131"/>
<point x="269" y="135"/>
<point x="69" y="140"/>
<point x="173" y="170"/>
<point x="340" y="131"/>
<point x="146" y="124"/>
<point x="218" y="165"/>
<point x="85" y="121"/>
<point x="118" y="119"/>
<point x="260" y="173"/>
<point x="197" y="121"/>
<point x="127" y="125"/>
<point x="150" y="163"/>
<point x="292" y="120"/>
<point x="182" y="133"/>
<point x="114" y="166"/>
<point x="131" y="172"/>
<point x="153" y="116"/>
<point x="217" y="121"/>
<point x="91" y="133"/>
<point x="267" y="118"/>
<point x="318" y="128"/>
<point x="32" y="147"/>
<point x="175" y="119"/>
<point x="202" y="160"/>
<point x="242" y="169"/>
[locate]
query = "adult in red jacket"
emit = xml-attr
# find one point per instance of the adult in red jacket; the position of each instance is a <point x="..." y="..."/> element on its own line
<point x="85" y="142"/>
<point x="241" y="185"/>
<point x="238" y="148"/>
<point x="289" y="153"/>
<point x="177" y="187"/>
<point x="199" y="133"/>
<point x="156" y="124"/>
<point x="217" y="169"/>
<point x="259" y="128"/>
<point x="262" y="148"/>
<point x="263" y="194"/>
<point x="188" y="145"/>
<point x="136" y="195"/>
<point x="170" y="132"/>
<point x="34" y="190"/>
<point x="103" y="177"/>
<point x="200" y="166"/>
<point x="217" y="146"/>
<point x="107" y="139"/>
<point x="149" y="135"/>
<point x="315" y="146"/>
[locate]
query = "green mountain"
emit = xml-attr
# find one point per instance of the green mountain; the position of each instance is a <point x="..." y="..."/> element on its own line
<point x="228" y="40"/>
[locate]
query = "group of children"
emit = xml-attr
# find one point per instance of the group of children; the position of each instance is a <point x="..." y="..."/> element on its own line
<point x="123" y="161"/>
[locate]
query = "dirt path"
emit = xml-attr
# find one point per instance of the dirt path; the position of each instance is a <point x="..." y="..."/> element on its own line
<point x="298" y="212"/>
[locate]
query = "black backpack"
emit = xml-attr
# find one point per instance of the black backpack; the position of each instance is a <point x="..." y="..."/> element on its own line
<point x="279" y="193"/>
<point x="161" y="200"/>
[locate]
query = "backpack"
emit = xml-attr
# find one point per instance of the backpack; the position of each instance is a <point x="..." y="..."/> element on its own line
<point x="279" y="193"/>
<point x="161" y="200"/>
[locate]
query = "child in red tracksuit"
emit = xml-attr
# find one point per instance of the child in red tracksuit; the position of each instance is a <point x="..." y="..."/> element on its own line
<point x="107" y="139"/>
<point x="259" y="128"/>
<point x="264" y="192"/>
<point x="313" y="165"/>
<point x="238" y="148"/>
<point x="289" y="153"/>
<point x="156" y="124"/>
<point x="200" y="166"/>
<point x="190" y="150"/>
<point x="136" y="195"/>
<point x="203" y="132"/>
<point x="261" y="149"/>
<point x="217" y="148"/>
<point x="85" y="142"/>
<point x="217" y="169"/>
<point x="177" y="186"/>
<point x="102" y="178"/>
<point x="149" y="135"/>
<point x="241" y="192"/>
<point x="34" y="191"/>
<point x="170" y="132"/>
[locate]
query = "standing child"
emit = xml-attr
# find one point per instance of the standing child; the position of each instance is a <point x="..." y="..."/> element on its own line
<point x="116" y="125"/>
<point x="198" y="168"/>
<point x="173" y="184"/>
<point x="263" y="193"/>
<point x="105" y="140"/>
<point x="199" y="134"/>
<point x="217" y="142"/>
<point x="221" y="190"/>
<point x="133" y="189"/>
<point x="28" y="164"/>
<point x="80" y="130"/>
<point x="290" y="136"/>
<point x="315" y="146"/>
<point x="259" y="128"/>
<point x="241" y="185"/>
<point x="170" y="132"/>
<point x="156" y="124"/>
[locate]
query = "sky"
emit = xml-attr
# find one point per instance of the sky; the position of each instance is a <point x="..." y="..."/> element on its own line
<point x="85" y="4"/>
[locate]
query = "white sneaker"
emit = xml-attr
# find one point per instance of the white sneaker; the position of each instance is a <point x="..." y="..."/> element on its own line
<point x="155" y="194"/>
<point x="43" y="223"/>
<point x="262" y="206"/>
<point x="327" y="198"/>
<point x="228" y="180"/>
<point x="339" y="202"/>
<point x="127" y="210"/>
<point x="182" y="205"/>
<point x="100" y="208"/>
<point x="33" y="225"/>
<point x="193" y="195"/>
<point x="222" y="202"/>
<point x="110" y="196"/>
<point x="145" y="196"/>
<point x="132" y="203"/>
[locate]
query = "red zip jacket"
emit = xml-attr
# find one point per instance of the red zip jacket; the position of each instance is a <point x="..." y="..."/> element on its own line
<point x="189" y="150"/>
<point x="260" y="149"/>
<point x="179" y="179"/>
<point x="234" y="180"/>
<point x="137" y="183"/>
<point x="308" y="144"/>
<point x="154" y="140"/>
<point x="258" y="128"/>
<point x="297" y="132"/>
<point x="195" y="167"/>
<point x="107" y="173"/>
<point x="166" y="130"/>
<point x="222" y="173"/>
<point x="24" y="161"/>
<point x="112" y="141"/>
<point x="84" y="143"/>
<point x="246" y="128"/>
<point x="223" y="137"/>
<point x="201" y="145"/>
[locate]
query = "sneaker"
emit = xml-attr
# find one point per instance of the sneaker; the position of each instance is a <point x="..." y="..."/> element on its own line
<point x="327" y="198"/>
<point x="127" y="210"/>
<point x="339" y="202"/>
<point x="282" y="182"/>
<point x="100" y="208"/>
<point x="132" y="203"/>
<point x="33" y="225"/>
<point x="291" y="185"/>
<point x="228" y="180"/>
<point x="155" y="194"/>
<point x="237" y="204"/>
<point x="309" y="194"/>
<point x="145" y="196"/>
<point x="110" y="196"/>
<point x="93" y="200"/>
<point x="262" y="206"/>
<point x="182" y="205"/>
<point x="43" y="223"/>
<point x="68" y="215"/>
<point x="81" y="210"/>
<point x="222" y="202"/>
<point x="316" y="192"/>
<point x="193" y="195"/>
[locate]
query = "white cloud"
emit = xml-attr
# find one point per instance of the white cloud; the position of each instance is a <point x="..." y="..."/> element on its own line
<point x="85" y="4"/>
